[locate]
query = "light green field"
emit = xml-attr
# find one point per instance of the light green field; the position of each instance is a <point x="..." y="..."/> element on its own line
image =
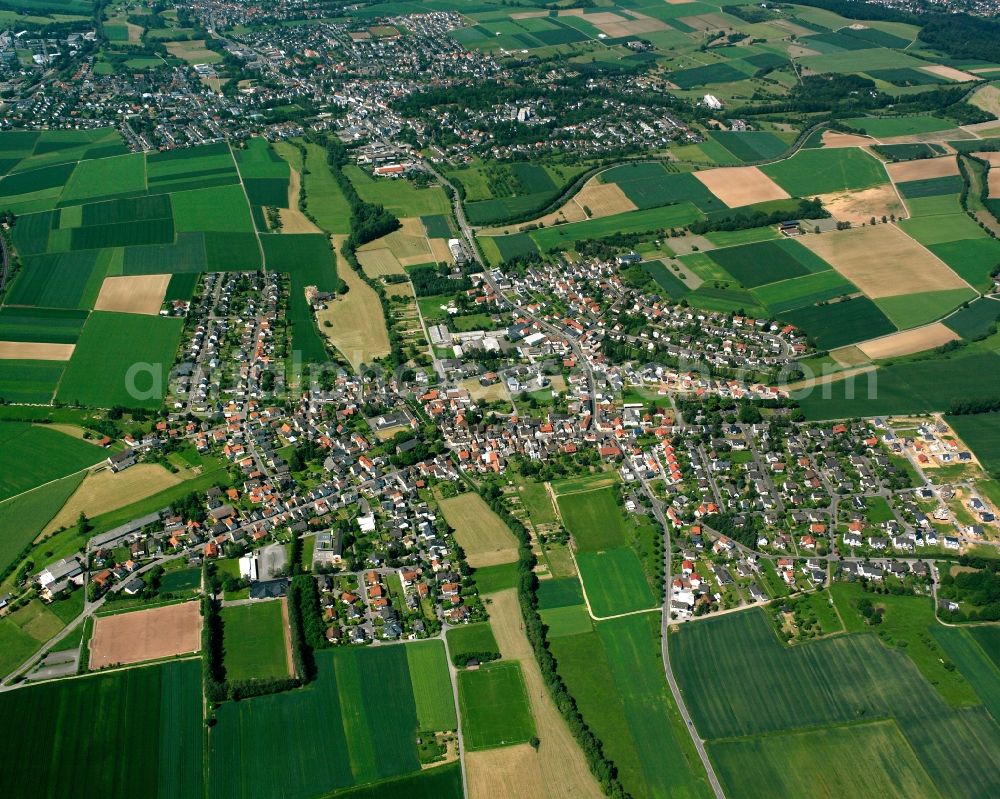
<point x="594" y="519"/>
<point x="615" y="581"/>
<point x="942" y="229"/>
<point x="913" y="310"/>
<point x="324" y="198"/>
<point x="650" y="220"/>
<point x="812" y="172"/>
<point x="222" y="208"/>
<point x="106" y="177"/>
<point x="398" y="195"/>
<point x="431" y="685"/>
<point x="887" y="127"/>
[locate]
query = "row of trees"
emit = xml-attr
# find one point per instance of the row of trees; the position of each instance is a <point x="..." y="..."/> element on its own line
<point x="527" y="585"/>
<point x="743" y="220"/>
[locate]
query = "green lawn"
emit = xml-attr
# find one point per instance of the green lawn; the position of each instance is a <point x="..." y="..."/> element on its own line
<point x="494" y="704"/>
<point x="254" y="641"/>
<point x="569" y="620"/>
<point x="470" y="640"/>
<point x="223" y="208"/>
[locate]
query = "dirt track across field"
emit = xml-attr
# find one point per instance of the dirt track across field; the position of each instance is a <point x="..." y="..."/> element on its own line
<point x="740" y="185"/>
<point x="292" y="219"/>
<point x="35" y="351"/>
<point x="145" y="635"/>
<point x="142" y="294"/>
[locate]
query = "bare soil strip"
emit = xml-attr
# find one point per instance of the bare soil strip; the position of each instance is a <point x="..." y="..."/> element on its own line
<point x="145" y="635"/>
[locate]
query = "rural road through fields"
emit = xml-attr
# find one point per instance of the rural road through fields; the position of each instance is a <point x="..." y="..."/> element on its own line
<point x="699" y="744"/>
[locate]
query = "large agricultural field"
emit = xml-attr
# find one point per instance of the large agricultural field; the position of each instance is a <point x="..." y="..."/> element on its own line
<point x="770" y="728"/>
<point x="102" y="234"/>
<point x="142" y="727"/>
<point x="32" y="455"/>
<point x="483" y="536"/>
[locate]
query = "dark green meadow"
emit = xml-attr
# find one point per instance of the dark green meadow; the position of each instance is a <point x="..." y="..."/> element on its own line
<point x="31" y="455"/>
<point x="130" y="733"/>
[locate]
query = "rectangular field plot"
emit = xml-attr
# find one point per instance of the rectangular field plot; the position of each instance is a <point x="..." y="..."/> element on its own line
<point x="887" y="127"/>
<point x="666" y="279"/>
<point x="911" y="310"/>
<point x="614" y="581"/>
<point x="837" y="761"/>
<point x="60" y="280"/>
<point x="494" y="705"/>
<point x="51" y="325"/>
<point x="29" y="381"/>
<point x="482" y="534"/>
<point x="559" y="593"/>
<point x="751" y="145"/>
<point x="812" y="172"/>
<point x="650" y="220"/>
<point x="146" y="635"/>
<point x="356" y="723"/>
<point x="109" y="346"/>
<point x="971" y="259"/>
<point x="106" y="177"/>
<point x="931" y="187"/>
<point x="767" y="262"/>
<point x="570" y="620"/>
<point x="254" y="641"/>
<point x="840" y="323"/>
<point x="186" y="255"/>
<point x="31" y="455"/>
<point x="142" y="730"/>
<point x="220" y="209"/>
<point x="23" y="517"/>
<point x="649" y="185"/>
<point x="787" y="295"/>
<point x="981" y="432"/>
<point x="432" y="695"/>
<point x="594" y="519"/>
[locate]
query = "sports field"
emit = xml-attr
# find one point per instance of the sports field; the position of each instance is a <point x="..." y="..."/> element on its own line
<point x="254" y="641"/>
<point x="142" y="728"/>
<point x="31" y="455"/>
<point x="483" y="536"/>
<point x="145" y="635"/>
<point x="494" y="706"/>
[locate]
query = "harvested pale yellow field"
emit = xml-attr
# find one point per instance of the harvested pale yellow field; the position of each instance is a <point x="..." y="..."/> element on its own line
<point x="784" y="24"/>
<point x="950" y="73"/>
<point x="908" y="342"/>
<point x="479" y="531"/>
<point x="987" y="98"/>
<point x="993" y="176"/>
<point x="993" y="159"/>
<point x="602" y="199"/>
<point x="529" y="14"/>
<point x="494" y="393"/>
<point x="104" y="491"/>
<point x="439" y="251"/>
<point x="833" y="138"/>
<point x="860" y="206"/>
<point x="922" y="169"/>
<point x="356" y="326"/>
<point x="399" y="289"/>
<point x="194" y="51"/>
<point x="740" y="185"/>
<point x="558" y="761"/>
<point x="377" y="263"/>
<point x="35" y="351"/>
<point x="849" y="356"/>
<point x="292" y="219"/>
<point x="642" y="24"/>
<point x="505" y="772"/>
<point x="70" y="430"/>
<point x="883" y="261"/>
<point x="141" y="294"/>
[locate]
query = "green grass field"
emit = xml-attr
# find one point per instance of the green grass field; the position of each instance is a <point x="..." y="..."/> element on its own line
<point x="490" y="579"/>
<point x="912" y="310"/>
<point x="471" y="639"/>
<point x="908" y="387"/>
<point x="569" y="620"/>
<point x="942" y="228"/>
<point x="812" y="172"/>
<point x="974" y="664"/>
<point x="31" y="455"/>
<point x="324" y="199"/>
<point x="346" y="728"/>
<point x="494" y="706"/>
<point x="767" y="262"/>
<point x="440" y="782"/>
<point x="399" y="196"/>
<point x="223" y="208"/>
<point x="981" y="432"/>
<point x="870" y="758"/>
<point x="23" y="517"/>
<point x="106" y="177"/>
<point x="559" y="593"/>
<point x="29" y="381"/>
<point x="254" y="641"/>
<point x="649" y="185"/>
<point x="56" y="325"/>
<point x="428" y="667"/>
<point x="887" y="127"/>
<point x="594" y="519"/>
<point x="142" y="728"/>
<point x="60" y="280"/>
<point x="653" y="219"/>
<point x="787" y="295"/>
<point x="615" y="674"/>
<point x="117" y="353"/>
<point x="840" y="323"/>
<point x="614" y="581"/>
